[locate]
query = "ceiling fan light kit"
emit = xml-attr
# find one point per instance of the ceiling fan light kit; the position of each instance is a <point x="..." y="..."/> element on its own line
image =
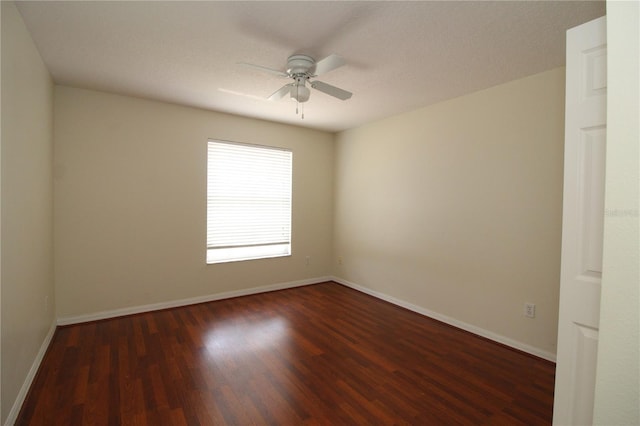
<point x="300" y="93"/>
<point x="302" y="68"/>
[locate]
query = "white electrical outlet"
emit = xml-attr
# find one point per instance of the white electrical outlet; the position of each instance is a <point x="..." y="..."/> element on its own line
<point x="530" y="310"/>
<point x="307" y="260"/>
<point x="340" y="260"/>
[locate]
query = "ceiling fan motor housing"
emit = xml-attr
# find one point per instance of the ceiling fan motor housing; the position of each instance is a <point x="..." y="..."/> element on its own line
<point x="300" y="64"/>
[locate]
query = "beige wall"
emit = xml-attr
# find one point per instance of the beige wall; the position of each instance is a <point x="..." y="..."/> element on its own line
<point x="26" y="215"/>
<point x="617" y="396"/>
<point x="130" y="202"/>
<point x="456" y="208"/>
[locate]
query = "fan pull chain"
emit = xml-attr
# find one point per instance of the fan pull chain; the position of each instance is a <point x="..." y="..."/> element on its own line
<point x="303" y="111"/>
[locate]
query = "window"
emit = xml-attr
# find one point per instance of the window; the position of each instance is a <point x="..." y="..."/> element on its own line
<point x="248" y="202"/>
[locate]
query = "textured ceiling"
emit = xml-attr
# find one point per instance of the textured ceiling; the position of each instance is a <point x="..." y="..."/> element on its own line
<point x="400" y="55"/>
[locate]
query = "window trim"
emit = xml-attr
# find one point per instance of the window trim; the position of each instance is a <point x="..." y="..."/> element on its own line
<point x="253" y="250"/>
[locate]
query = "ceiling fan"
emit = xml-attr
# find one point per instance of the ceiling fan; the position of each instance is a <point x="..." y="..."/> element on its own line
<point x="303" y="68"/>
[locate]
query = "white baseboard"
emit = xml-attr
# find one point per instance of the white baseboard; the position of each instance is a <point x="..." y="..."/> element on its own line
<point x="17" y="404"/>
<point x="451" y="321"/>
<point x="185" y="302"/>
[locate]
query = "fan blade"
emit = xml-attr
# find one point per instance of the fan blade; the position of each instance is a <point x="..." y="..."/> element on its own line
<point x="281" y="92"/>
<point x="334" y="91"/>
<point x="329" y="63"/>
<point x="261" y="68"/>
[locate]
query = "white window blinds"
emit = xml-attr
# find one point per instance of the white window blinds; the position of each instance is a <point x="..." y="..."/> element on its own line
<point x="248" y="202"/>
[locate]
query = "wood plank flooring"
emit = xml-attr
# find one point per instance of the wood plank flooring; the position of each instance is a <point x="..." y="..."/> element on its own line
<point x="320" y="354"/>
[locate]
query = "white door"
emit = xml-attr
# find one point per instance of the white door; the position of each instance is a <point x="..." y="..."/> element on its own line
<point x="582" y="223"/>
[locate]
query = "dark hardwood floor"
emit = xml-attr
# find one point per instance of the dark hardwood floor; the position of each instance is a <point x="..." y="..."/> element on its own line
<point x="320" y="354"/>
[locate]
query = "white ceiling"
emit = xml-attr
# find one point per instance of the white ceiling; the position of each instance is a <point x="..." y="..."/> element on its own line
<point x="400" y="55"/>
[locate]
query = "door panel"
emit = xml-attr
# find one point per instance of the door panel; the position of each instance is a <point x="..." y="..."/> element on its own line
<point x="582" y="223"/>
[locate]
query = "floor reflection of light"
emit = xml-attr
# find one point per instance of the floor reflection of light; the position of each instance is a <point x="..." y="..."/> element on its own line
<point x="235" y="337"/>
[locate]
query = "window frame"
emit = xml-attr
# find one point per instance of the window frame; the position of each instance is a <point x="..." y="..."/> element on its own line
<point x="277" y="181"/>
